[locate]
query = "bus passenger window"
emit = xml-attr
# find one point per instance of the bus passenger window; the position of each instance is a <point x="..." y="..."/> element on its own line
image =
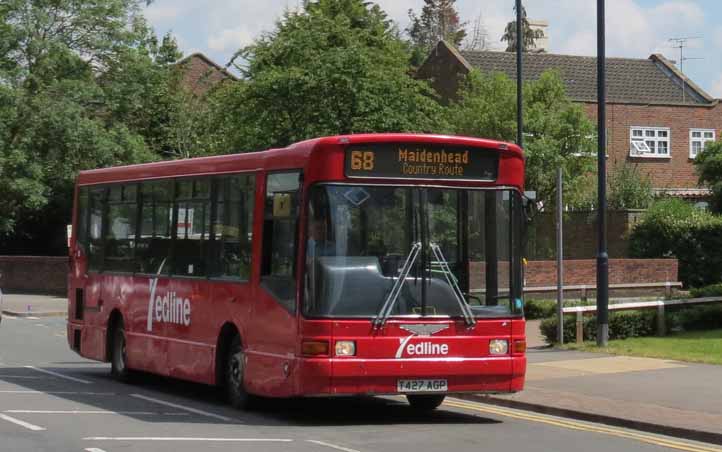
<point x="96" y="206"/>
<point x="230" y="246"/>
<point x="81" y="227"/>
<point x="120" y="229"/>
<point x="279" y="237"/>
<point x="154" y="241"/>
<point x="193" y="220"/>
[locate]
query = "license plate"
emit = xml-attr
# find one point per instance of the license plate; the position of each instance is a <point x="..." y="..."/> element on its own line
<point x="421" y="386"/>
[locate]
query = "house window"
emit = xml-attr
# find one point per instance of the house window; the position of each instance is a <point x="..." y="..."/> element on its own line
<point x="649" y="142"/>
<point x="698" y="139"/>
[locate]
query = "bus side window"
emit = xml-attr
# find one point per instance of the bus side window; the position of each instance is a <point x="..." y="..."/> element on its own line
<point x="230" y="246"/>
<point x="96" y="207"/>
<point x="152" y="252"/>
<point x="192" y="228"/>
<point x="119" y="234"/>
<point x="280" y="224"/>
<point x="81" y="228"/>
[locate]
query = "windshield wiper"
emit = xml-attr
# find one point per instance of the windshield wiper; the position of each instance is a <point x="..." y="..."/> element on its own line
<point x="458" y="294"/>
<point x="388" y="305"/>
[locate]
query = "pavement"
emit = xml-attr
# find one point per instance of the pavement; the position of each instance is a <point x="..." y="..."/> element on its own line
<point x="22" y="305"/>
<point x="660" y="396"/>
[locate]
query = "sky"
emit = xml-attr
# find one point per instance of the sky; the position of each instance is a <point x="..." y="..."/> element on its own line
<point x="635" y="28"/>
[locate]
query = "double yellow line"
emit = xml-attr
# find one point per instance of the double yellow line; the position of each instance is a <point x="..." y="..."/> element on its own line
<point x="572" y="425"/>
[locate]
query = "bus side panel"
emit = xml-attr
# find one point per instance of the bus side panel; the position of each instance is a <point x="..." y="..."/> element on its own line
<point x="92" y="344"/>
<point x="270" y="348"/>
<point x="230" y="303"/>
<point x="146" y="347"/>
<point x="190" y="331"/>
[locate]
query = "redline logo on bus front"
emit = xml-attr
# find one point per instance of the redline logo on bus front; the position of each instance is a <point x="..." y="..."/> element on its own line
<point x="425" y="348"/>
<point x="169" y="308"/>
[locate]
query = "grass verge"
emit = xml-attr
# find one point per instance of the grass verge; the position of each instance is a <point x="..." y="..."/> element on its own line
<point x="696" y="346"/>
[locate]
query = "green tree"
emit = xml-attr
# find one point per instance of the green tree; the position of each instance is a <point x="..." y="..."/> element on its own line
<point x="337" y="67"/>
<point x="709" y="169"/>
<point x="557" y="131"/>
<point x="529" y="35"/>
<point x="76" y="78"/>
<point x="438" y="21"/>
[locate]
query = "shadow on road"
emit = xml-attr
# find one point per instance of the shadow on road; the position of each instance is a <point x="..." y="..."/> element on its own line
<point x="340" y="411"/>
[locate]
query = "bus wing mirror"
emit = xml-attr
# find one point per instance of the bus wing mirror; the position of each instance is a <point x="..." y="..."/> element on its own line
<point x="531" y="207"/>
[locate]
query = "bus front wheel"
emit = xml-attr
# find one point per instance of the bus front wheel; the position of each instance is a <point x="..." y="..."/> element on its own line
<point x="118" y="359"/>
<point x="235" y="366"/>
<point x="425" y="402"/>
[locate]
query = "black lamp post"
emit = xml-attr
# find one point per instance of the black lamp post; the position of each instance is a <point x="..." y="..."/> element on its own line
<point x="602" y="256"/>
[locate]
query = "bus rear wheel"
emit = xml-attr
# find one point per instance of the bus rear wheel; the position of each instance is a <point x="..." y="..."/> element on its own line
<point x="425" y="402"/>
<point x="118" y="357"/>
<point x="235" y="366"/>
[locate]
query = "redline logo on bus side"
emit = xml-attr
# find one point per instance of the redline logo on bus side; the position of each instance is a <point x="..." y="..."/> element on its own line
<point x="169" y="308"/>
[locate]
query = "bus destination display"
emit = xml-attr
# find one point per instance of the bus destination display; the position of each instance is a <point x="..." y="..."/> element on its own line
<point x="421" y="161"/>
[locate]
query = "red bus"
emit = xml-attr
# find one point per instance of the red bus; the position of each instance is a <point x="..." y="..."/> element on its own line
<point x="361" y="264"/>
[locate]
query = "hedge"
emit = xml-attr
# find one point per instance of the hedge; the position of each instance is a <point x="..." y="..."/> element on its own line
<point x="539" y="309"/>
<point x="675" y="228"/>
<point x="626" y="324"/>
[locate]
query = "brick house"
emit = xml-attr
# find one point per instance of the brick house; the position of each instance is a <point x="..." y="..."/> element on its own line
<point x="200" y="73"/>
<point x="656" y="117"/>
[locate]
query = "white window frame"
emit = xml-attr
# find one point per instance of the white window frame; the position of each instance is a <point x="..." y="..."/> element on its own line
<point x="639" y="146"/>
<point x="702" y="140"/>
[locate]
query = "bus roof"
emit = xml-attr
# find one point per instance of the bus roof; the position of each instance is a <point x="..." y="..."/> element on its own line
<point x="295" y="155"/>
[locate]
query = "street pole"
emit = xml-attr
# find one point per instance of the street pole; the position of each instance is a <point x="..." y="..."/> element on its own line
<point x="560" y="260"/>
<point x="602" y="256"/>
<point x="519" y="37"/>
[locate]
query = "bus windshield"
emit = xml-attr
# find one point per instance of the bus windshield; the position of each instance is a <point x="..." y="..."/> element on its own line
<point x="412" y="251"/>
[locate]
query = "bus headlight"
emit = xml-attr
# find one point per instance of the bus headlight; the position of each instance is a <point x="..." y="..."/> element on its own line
<point x="498" y="347"/>
<point x="345" y="348"/>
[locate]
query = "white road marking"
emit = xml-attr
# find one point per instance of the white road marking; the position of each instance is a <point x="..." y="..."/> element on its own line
<point x="50" y="372"/>
<point x="28" y="377"/>
<point x="129" y="413"/>
<point x="182" y="407"/>
<point x="93" y="449"/>
<point x="32" y="318"/>
<point x="174" y="438"/>
<point x="59" y="392"/>
<point x="27" y="425"/>
<point x="332" y="446"/>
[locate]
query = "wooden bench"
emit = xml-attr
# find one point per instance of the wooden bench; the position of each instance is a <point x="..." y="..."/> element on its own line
<point x="659" y="304"/>
<point x="583" y="288"/>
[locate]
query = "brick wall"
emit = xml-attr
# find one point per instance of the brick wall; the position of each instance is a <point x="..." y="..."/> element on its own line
<point x="582" y="271"/>
<point x="677" y="171"/>
<point x="34" y="274"/>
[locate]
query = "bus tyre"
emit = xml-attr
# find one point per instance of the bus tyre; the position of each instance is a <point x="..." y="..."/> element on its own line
<point x="235" y="366"/>
<point x="118" y="357"/>
<point x="425" y="402"/>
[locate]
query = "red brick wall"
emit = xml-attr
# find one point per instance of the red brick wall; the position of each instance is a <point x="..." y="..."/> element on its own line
<point x="34" y="274"/>
<point x="584" y="271"/>
<point x="676" y="171"/>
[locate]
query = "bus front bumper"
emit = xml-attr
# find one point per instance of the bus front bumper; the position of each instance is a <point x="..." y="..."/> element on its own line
<point x="353" y="376"/>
